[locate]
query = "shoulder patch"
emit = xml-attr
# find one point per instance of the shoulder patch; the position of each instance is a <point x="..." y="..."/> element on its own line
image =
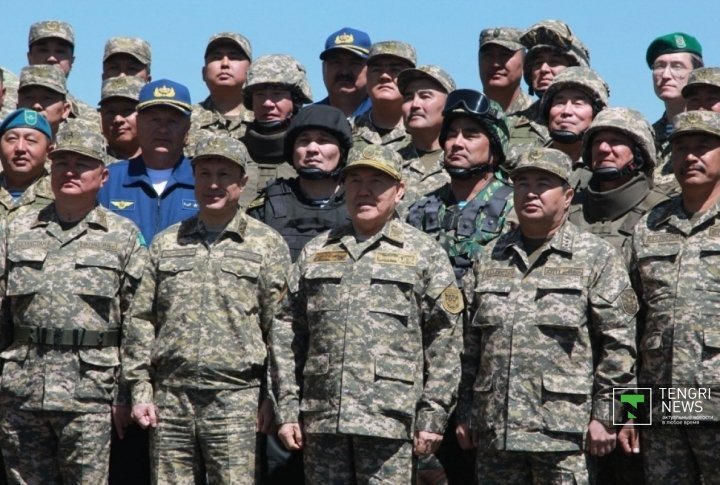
<point x="628" y="301"/>
<point x="452" y="300"/>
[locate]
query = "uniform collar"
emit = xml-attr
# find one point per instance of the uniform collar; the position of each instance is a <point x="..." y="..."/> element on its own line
<point x="181" y="173"/>
<point x="47" y="215"/>
<point x="194" y="227"/>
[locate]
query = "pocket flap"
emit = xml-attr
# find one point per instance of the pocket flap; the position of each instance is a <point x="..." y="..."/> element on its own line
<point x="494" y="286"/>
<point x="711" y="339"/>
<point x="395" y="273"/>
<point x="32" y="255"/>
<point x="241" y="267"/>
<point x="176" y="265"/>
<point x="568" y="383"/>
<point x="390" y="367"/>
<point x="562" y="284"/>
<point x="107" y="357"/>
<point x="100" y="259"/>
<point x="671" y="248"/>
<point x="317" y="365"/>
<point x="317" y="271"/>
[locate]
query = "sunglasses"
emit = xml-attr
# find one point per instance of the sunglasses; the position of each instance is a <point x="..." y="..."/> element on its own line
<point x="471" y="101"/>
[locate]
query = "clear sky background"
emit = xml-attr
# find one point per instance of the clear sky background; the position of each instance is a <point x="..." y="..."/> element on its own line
<point x="617" y="32"/>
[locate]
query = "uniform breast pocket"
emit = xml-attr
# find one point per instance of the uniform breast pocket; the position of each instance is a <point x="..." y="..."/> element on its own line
<point x="97" y="374"/>
<point x="492" y="299"/>
<point x="708" y="281"/>
<point x="322" y="286"/>
<point x="657" y="268"/>
<point x="391" y="292"/>
<point x="239" y="279"/>
<point x="319" y="390"/>
<point x="566" y="402"/>
<point x="175" y="277"/>
<point x="394" y="390"/>
<point x="97" y="274"/>
<point x="25" y="272"/>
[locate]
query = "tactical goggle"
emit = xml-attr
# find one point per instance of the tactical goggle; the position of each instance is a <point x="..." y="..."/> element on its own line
<point x="471" y="101"/>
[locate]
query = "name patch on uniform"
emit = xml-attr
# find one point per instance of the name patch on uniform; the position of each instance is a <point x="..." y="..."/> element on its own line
<point x="330" y="257"/>
<point x="663" y="238"/>
<point x="563" y="272"/>
<point x="499" y="273"/>
<point x="452" y="300"/>
<point x="189" y="204"/>
<point x="178" y="253"/>
<point x="714" y="232"/>
<point x="112" y="247"/>
<point x="123" y="205"/>
<point x="403" y="259"/>
<point x="30" y="244"/>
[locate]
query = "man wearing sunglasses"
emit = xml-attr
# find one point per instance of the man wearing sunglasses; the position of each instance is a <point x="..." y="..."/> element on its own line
<point x="670" y="57"/>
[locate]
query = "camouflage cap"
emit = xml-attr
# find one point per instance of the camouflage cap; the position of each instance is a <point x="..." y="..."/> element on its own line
<point x="394" y="48"/>
<point x="702" y="76"/>
<point x="575" y="77"/>
<point x="51" y="28"/>
<point x="696" y="122"/>
<point x="670" y="43"/>
<point x="630" y="123"/>
<point x="233" y="37"/>
<point x="121" y="87"/>
<point x="545" y="159"/>
<point x="222" y="146"/>
<point x="135" y="46"/>
<point x="82" y="137"/>
<point x="507" y="37"/>
<point x="279" y="69"/>
<point x="46" y="75"/>
<point x="379" y="157"/>
<point x="434" y="73"/>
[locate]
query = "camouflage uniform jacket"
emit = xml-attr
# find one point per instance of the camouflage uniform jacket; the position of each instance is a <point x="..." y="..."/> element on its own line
<point x="206" y="119"/>
<point x="365" y="133"/>
<point x="547" y="341"/>
<point x="371" y="329"/>
<point x="521" y="103"/>
<point x="612" y="214"/>
<point x="677" y="261"/>
<point x="526" y="127"/>
<point x="203" y="311"/>
<point x="39" y="195"/>
<point x="80" y="279"/>
<point x="463" y="233"/>
<point x="663" y="174"/>
<point x="82" y="110"/>
<point x="422" y="174"/>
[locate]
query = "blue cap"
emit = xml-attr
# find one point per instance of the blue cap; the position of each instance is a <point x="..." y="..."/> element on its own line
<point x="353" y="40"/>
<point x="26" y="118"/>
<point x="164" y="92"/>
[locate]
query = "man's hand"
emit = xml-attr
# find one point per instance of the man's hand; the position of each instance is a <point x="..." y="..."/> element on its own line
<point x="465" y="437"/>
<point x="291" y="436"/>
<point x="601" y="440"/>
<point x="426" y="442"/>
<point x="265" y="417"/>
<point x="121" y="418"/>
<point x="629" y="439"/>
<point x="145" y="415"/>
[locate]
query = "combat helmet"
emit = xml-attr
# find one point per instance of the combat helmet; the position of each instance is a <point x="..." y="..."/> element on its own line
<point x="580" y="78"/>
<point x="321" y="117"/>
<point x="631" y="124"/>
<point x="555" y="35"/>
<point x="476" y="105"/>
<point x="278" y="69"/>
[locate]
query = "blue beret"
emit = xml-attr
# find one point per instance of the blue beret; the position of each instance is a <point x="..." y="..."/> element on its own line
<point x="26" y="118"/>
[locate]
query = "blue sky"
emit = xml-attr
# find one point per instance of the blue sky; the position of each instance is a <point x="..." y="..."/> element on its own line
<point x="617" y="32"/>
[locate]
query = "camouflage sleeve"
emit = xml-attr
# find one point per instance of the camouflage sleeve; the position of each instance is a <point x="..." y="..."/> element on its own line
<point x="6" y="322"/>
<point x="470" y="357"/>
<point x="442" y="312"/>
<point x="139" y="333"/>
<point x="288" y="344"/>
<point x="613" y="306"/>
<point x="273" y="282"/>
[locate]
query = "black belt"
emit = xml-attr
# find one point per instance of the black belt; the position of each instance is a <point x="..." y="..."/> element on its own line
<point x="66" y="337"/>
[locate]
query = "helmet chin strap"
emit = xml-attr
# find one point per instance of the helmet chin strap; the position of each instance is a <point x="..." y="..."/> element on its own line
<point x="607" y="174"/>
<point x="271" y="126"/>
<point x="566" y="137"/>
<point x="312" y="173"/>
<point x="468" y="173"/>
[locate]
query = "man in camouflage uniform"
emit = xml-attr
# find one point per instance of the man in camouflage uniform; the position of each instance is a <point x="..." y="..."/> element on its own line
<point x="42" y="88"/>
<point x="25" y="139"/>
<point x="277" y="87"/>
<point x="194" y="347"/>
<point x="568" y="106"/>
<point x="675" y="254"/>
<point x="552" y="332"/>
<point x="551" y="47"/>
<point x="500" y="59"/>
<point x="371" y="323"/>
<point x="620" y="150"/>
<point x="118" y="116"/>
<point x="53" y="42"/>
<point x="671" y="58"/>
<point x="383" y="124"/>
<point x="424" y="92"/>
<point x="344" y="70"/>
<point x="70" y="271"/>
<point x="227" y="59"/>
<point x="8" y="92"/>
<point x="702" y="90"/>
<point x="469" y="211"/>
<point x="127" y="56"/>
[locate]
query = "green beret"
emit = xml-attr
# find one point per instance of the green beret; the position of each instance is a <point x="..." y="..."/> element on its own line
<point x="670" y="43"/>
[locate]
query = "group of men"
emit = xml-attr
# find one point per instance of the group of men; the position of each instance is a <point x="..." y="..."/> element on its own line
<point x="405" y="282"/>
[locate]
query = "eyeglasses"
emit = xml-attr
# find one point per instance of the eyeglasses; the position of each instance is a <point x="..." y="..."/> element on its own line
<point x="677" y="69"/>
<point x="471" y="101"/>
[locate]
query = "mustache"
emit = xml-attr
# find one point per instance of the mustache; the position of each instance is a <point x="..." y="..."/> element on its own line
<point x="344" y="77"/>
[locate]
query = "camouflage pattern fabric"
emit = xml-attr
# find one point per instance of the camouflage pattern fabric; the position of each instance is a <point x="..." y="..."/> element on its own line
<point x="135" y="46"/>
<point x="527" y="129"/>
<point x="37" y="195"/>
<point x="663" y="176"/>
<point x="278" y="69"/>
<point x="429" y="71"/>
<point x="366" y="133"/>
<point x="583" y="79"/>
<point x="507" y="37"/>
<point x="238" y="39"/>
<point x="521" y="103"/>
<point x="45" y="75"/>
<point x="547" y="342"/>
<point x="345" y="459"/>
<point x="206" y="119"/>
<point x="680" y="455"/>
<point x="10" y="83"/>
<point x="121" y="87"/>
<point x="373" y="329"/>
<point x="394" y="48"/>
<point x="49" y="29"/>
<point x="422" y="174"/>
<point x="515" y="467"/>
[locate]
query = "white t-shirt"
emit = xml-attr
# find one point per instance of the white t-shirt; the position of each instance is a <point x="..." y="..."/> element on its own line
<point x="159" y="178"/>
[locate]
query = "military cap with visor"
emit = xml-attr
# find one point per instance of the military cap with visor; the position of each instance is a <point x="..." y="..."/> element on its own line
<point x="46" y="75"/>
<point x="221" y="146"/>
<point x="393" y="48"/>
<point x="696" y="122"/>
<point x="127" y="87"/>
<point x="544" y="159"/>
<point x="48" y="29"/>
<point x="378" y="157"/>
<point x="702" y="76"/>
<point x="234" y="38"/>
<point x="348" y="39"/>
<point x="672" y="43"/>
<point x="165" y="92"/>
<point x="507" y="37"/>
<point x="81" y="137"/>
<point x="433" y="73"/>
<point x="134" y="46"/>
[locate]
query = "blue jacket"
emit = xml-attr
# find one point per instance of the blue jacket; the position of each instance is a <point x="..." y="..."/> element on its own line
<point x="129" y="193"/>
